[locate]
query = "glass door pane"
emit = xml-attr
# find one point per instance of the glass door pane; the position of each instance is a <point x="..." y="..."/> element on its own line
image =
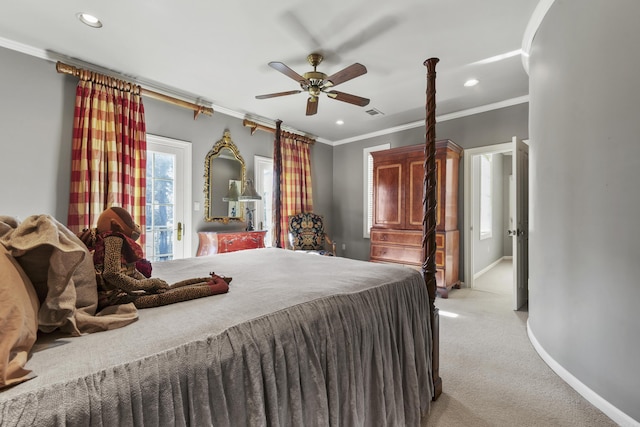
<point x="160" y="205"/>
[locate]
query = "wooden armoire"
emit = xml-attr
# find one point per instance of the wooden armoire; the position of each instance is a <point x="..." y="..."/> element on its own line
<point x="396" y="235"/>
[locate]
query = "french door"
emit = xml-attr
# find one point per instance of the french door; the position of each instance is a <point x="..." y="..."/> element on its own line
<point x="168" y="199"/>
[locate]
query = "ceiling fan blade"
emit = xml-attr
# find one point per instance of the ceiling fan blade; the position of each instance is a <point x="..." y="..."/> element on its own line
<point x="273" y="95"/>
<point x="294" y="23"/>
<point x="312" y="106"/>
<point x="351" y="72"/>
<point x="367" y="34"/>
<point x="287" y="71"/>
<point x="347" y="97"/>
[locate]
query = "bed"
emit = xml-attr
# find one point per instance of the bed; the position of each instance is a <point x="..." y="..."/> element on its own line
<point x="299" y="339"/>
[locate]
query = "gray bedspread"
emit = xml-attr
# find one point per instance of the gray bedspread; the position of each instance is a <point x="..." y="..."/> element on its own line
<point x="299" y="340"/>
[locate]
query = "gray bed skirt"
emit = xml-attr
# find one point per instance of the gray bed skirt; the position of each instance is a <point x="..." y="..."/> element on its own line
<point x="299" y="340"/>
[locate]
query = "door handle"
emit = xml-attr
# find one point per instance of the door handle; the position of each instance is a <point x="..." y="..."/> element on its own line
<point x="515" y="233"/>
<point x="179" y="231"/>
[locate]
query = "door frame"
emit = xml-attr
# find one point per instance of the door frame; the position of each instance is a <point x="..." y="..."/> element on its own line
<point x="468" y="154"/>
<point x="186" y="176"/>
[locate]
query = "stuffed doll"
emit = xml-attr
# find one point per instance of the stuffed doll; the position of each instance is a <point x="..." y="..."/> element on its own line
<point x="118" y="260"/>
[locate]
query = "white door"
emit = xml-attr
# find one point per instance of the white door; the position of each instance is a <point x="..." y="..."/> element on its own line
<point x="520" y="231"/>
<point x="168" y="234"/>
<point x="264" y="187"/>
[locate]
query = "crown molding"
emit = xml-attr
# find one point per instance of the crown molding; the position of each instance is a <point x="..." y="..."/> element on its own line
<point x="26" y="49"/>
<point x="451" y="116"/>
<point x="532" y="28"/>
<point x="54" y="57"/>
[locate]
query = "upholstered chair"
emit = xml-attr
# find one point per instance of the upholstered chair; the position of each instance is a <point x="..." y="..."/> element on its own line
<point x="306" y="233"/>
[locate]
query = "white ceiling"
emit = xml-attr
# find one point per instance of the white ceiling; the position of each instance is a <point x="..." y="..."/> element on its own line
<point x="218" y="52"/>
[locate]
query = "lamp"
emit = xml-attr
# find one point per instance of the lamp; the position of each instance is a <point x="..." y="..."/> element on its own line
<point x="233" y="194"/>
<point x="249" y="194"/>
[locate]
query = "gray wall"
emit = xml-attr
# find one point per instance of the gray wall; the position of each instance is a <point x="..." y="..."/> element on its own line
<point x="36" y="118"/>
<point x="35" y="137"/>
<point x="585" y="204"/>
<point x="492" y="127"/>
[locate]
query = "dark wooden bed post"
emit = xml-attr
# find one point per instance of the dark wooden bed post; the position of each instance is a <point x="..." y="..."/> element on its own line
<point x="429" y="220"/>
<point x="276" y="188"/>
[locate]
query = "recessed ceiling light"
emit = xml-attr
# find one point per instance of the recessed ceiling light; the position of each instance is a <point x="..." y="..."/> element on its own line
<point x="471" y="82"/>
<point x="89" y="20"/>
<point x="339" y="122"/>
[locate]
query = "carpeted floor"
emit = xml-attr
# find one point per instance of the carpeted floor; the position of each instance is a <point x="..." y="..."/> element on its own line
<point x="491" y="374"/>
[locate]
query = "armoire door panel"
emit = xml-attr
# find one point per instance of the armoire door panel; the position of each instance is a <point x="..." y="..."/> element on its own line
<point x="415" y="207"/>
<point x="388" y="197"/>
<point x="440" y="212"/>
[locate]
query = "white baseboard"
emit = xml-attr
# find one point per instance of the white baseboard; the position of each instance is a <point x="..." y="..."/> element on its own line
<point x="490" y="266"/>
<point x="595" y="399"/>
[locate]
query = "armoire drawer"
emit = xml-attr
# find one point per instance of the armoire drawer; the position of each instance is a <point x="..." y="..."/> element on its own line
<point x="397" y="237"/>
<point x="440" y="278"/>
<point x="440" y="258"/>
<point x="399" y="254"/>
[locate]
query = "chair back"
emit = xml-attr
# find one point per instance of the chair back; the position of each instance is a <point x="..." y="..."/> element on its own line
<point x="306" y="231"/>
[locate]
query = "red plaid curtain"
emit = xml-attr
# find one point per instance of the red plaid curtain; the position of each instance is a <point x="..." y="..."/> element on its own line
<point x="109" y="152"/>
<point x="294" y="181"/>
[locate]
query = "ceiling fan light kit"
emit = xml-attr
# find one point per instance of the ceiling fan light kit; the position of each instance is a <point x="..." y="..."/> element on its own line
<point x="316" y="82"/>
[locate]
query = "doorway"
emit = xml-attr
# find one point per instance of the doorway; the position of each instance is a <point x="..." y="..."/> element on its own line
<point x="514" y="224"/>
<point x="490" y="188"/>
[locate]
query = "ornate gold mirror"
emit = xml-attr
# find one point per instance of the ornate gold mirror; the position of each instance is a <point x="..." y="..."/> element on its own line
<point x="224" y="173"/>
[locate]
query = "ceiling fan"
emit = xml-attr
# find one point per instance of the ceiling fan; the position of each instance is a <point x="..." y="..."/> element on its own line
<point x="316" y="82"/>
